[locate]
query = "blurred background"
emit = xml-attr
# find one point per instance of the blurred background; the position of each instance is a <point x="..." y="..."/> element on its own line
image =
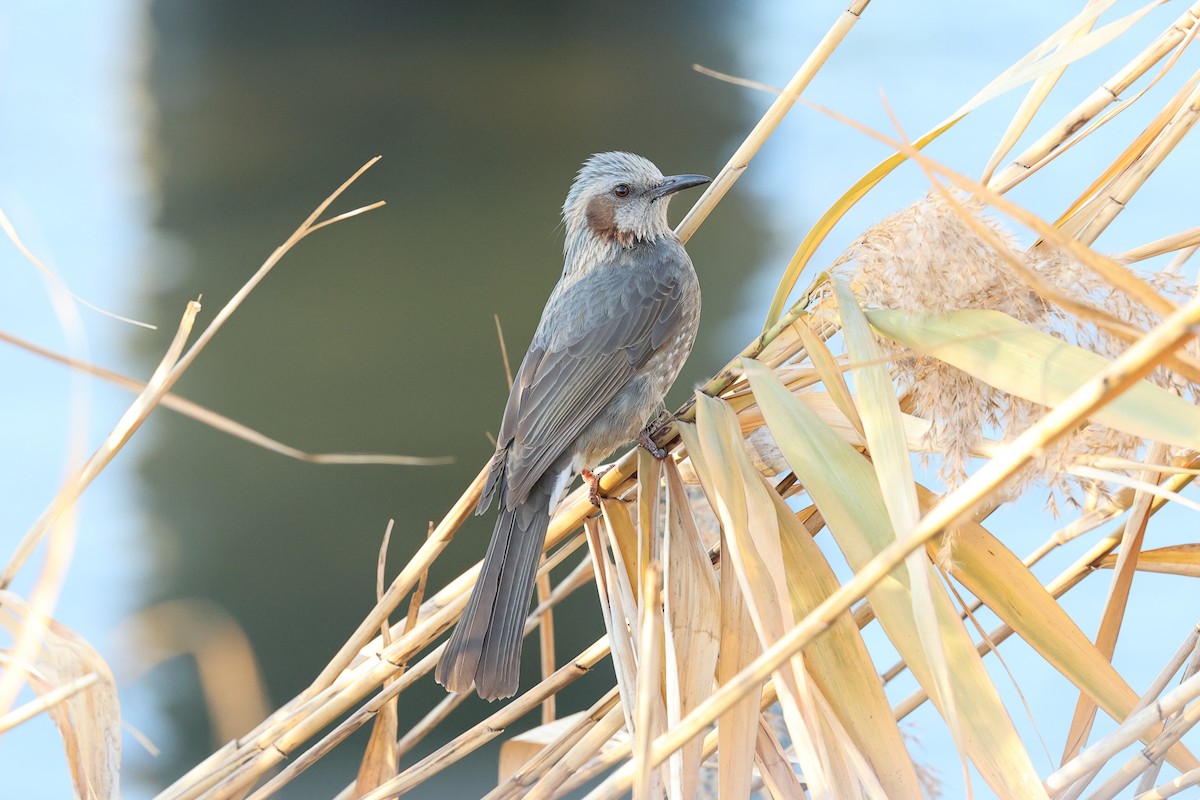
<point x="155" y="151"/>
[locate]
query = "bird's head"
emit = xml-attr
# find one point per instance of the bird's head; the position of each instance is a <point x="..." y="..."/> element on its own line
<point x="620" y="199"/>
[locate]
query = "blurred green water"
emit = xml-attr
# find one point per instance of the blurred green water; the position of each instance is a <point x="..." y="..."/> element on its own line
<point x="378" y="334"/>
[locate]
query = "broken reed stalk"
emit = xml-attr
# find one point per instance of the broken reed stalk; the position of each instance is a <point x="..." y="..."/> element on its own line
<point x="29" y="639"/>
<point x="1131" y="366"/>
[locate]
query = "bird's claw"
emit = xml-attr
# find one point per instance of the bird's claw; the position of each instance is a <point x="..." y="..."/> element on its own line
<point x="646" y="437"/>
<point x="592" y="479"/>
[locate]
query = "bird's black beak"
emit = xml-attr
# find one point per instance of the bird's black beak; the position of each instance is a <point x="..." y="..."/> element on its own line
<point x="677" y="183"/>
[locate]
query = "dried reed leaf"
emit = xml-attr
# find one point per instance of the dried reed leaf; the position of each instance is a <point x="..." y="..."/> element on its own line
<point x="89" y="720"/>
<point x="830" y="372"/>
<point x="650" y="712"/>
<point x="1030" y="67"/>
<point x="917" y="430"/>
<point x="617" y="612"/>
<point x="1034" y="98"/>
<point x="841" y="665"/>
<point x="753" y="552"/>
<point x="778" y="774"/>
<point x="1179" y="559"/>
<point x="1023" y="361"/>
<point x="693" y="632"/>
<point x="738" y="647"/>
<point x="1114" y="605"/>
<point x="842" y="484"/>
<point x="992" y="573"/>
<point x="883" y="430"/>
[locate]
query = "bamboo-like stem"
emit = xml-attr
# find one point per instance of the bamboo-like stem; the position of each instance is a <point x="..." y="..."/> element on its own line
<point x="1066" y="580"/>
<point x="273" y="754"/>
<point x="1114" y="605"/>
<point x="29" y="637"/>
<point x="546" y="643"/>
<point x="58" y="694"/>
<point x="551" y="756"/>
<point x="1150" y="775"/>
<point x="1167" y="244"/>
<point x="565" y="769"/>
<point x="1173" y="787"/>
<point x="1123" y="187"/>
<point x="1122" y="373"/>
<point x="1126" y="734"/>
<point x="1150" y="757"/>
<point x="493" y="726"/>
<point x="1105" y="95"/>
<point x="740" y="159"/>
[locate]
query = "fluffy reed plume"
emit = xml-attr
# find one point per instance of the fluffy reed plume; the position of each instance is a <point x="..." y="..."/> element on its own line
<point x="926" y="260"/>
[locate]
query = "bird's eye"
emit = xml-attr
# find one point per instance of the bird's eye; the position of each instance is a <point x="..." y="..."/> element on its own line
<point x="621" y="190"/>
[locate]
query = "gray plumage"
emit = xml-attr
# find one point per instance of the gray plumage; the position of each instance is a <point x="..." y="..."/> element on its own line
<point x="612" y="339"/>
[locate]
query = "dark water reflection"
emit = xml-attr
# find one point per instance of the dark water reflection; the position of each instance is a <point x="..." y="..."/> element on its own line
<point x="377" y="335"/>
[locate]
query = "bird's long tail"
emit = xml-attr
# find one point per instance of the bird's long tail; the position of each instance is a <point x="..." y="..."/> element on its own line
<point x="486" y="644"/>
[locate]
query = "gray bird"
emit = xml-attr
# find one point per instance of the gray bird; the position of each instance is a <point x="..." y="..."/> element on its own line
<point x="613" y="336"/>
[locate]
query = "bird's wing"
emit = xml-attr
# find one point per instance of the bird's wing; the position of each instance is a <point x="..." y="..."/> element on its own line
<point x="606" y="330"/>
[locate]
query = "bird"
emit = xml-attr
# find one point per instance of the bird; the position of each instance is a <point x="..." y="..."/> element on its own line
<point x="613" y="336"/>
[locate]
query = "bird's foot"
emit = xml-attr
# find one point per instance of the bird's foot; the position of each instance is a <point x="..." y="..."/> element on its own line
<point x="592" y="479"/>
<point x="646" y="437"/>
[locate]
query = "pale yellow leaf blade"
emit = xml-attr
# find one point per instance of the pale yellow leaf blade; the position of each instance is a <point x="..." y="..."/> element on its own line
<point x="1021" y="360"/>
<point x="991" y="572"/>
<point x="1180" y="559"/>
<point x="842" y="484"/>
<point x="739" y="646"/>
<point x="89" y="721"/>
<point x="693" y="608"/>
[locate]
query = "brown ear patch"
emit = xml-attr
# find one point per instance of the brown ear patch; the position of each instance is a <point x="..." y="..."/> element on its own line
<point x="601" y="217"/>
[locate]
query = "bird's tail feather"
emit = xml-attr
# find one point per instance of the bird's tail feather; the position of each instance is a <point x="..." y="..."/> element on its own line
<point x="486" y="645"/>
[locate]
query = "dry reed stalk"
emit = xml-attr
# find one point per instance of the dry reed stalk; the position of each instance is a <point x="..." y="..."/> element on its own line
<point x="1134" y="364"/>
<point x="546" y="642"/>
<point x="1109" y="92"/>
<point x="553" y="755"/>
<point x="1034" y="98"/>
<point x="400" y="679"/>
<point x="741" y="157"/>
<point x="1182" y="240"/>
<point x="1126" y="734"/>
<point x="560" y="773"/>
<point x="1083" y="566"/>
<point x="1163" y="136"/>
<point x="217" y="421"/>
<point x="1156" y="688"/>
<point x="30" y="636"/>
<point x="1115" y="603"/>
<point x="493" y="726"/>
<point x="232" y="756"/>
<point x="1173" y="787"/>
<point x="649" y="720"/>
<point x="46" y="701"/>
